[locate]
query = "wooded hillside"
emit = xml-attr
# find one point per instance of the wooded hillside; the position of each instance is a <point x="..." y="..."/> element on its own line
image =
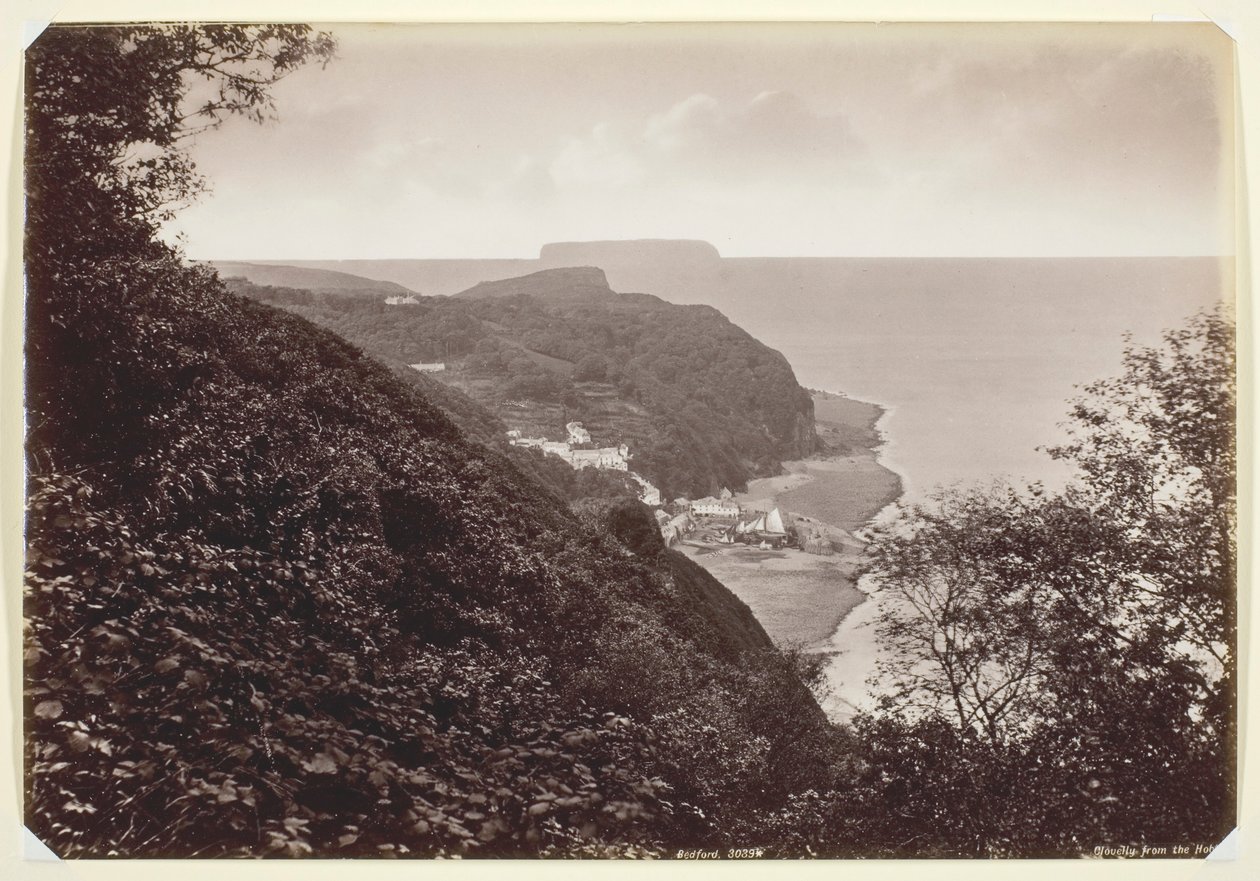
<point x="701" y="403"/>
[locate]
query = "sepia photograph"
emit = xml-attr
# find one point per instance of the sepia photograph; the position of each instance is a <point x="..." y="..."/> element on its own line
<point x="660" y="440"/>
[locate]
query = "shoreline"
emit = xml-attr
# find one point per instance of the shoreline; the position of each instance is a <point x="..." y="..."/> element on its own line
<point x="804" y="600"/>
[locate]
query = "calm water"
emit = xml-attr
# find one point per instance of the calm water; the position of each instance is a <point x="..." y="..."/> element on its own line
<point x="976" y="359"/>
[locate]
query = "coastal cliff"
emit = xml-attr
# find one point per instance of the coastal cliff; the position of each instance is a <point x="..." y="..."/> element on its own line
<point x="701" y="404"/>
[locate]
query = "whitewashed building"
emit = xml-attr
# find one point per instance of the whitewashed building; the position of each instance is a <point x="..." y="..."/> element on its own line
<point x="711" y="507"/>
<point x="613" y="458"/>
<point x="648" y="494"/>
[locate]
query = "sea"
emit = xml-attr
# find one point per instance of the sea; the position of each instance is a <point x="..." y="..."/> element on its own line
<point x="974" y="360"/>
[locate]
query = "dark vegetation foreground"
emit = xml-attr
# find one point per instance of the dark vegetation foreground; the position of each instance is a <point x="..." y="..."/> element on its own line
<point x="280" y="603"/>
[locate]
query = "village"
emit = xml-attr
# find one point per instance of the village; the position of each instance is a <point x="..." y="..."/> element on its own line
<point x="578" y="453"/>
<point x="709" y="520"/>
<point x="724" y="521"/>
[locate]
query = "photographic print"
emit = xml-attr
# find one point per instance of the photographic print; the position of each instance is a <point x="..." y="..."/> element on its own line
<point x="672" y="440"/>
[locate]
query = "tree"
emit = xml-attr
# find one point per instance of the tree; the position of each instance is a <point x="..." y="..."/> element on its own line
<point x="591" y="368"/>
<point x="1088" y="634"/>
<point x="110" y="110"/>
<point x="960" y="626"/>
<point x="1157" y="449"/>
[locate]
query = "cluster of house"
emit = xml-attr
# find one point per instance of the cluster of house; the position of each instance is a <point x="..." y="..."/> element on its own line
<point x="616" y="458"/>
<point x="403" y="300"/>
<point x="675" y="528"/>
<point x="711" y="507"/>
<point x="430" y="367"/>
<point x="578" y="456"/>
<point x="648" y="494"/>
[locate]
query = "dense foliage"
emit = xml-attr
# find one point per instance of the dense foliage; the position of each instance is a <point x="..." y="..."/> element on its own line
<point x="109" y="110"/>
<point x="277" y="595"/>
<point x="1070" y="660"/>
<point x="278" y="603"/>
<point x="701" y="403"/>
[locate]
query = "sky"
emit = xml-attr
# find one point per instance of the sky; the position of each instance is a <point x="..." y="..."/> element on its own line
<point x="424" y="141"/>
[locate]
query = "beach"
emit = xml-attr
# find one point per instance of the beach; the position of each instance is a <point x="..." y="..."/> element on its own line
<point x="846" y="485"/>
<point x="803" y="599"/>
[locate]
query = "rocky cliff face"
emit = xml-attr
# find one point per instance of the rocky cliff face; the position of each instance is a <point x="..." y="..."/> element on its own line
<point x="803" y="440"/>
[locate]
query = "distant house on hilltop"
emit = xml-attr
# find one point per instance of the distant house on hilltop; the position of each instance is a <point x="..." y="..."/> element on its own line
<point x="402" y="301"/>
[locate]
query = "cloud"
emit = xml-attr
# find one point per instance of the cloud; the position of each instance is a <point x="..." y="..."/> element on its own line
<point x="773" y="136"/>
<point x="527" y="181"/>
<point x="604" y="158"/>
<point x="1075" y="140"/>
<point x="693" y="122"/>
<point x="774" y="127"/>
<point x="1133" y="120"/>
